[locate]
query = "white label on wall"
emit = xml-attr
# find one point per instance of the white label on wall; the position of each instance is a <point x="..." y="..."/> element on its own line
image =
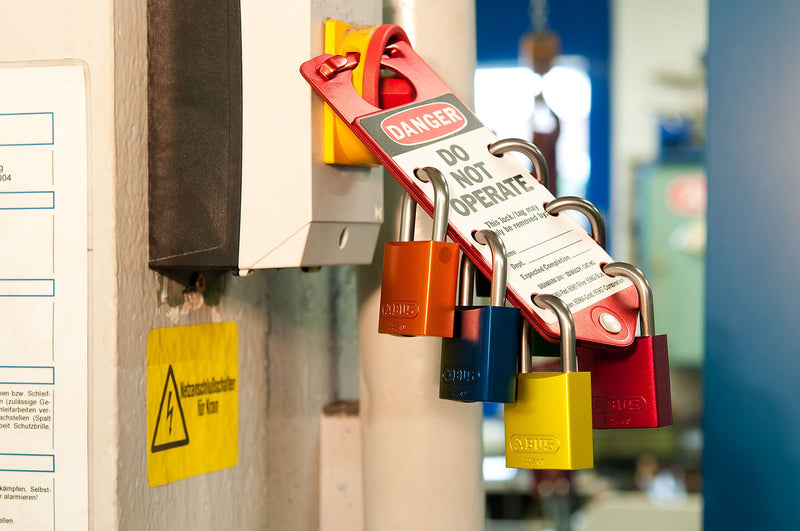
<point x="43" y="296"/>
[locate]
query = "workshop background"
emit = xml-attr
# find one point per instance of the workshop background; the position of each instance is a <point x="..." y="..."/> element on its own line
<point x="674" y="101"/>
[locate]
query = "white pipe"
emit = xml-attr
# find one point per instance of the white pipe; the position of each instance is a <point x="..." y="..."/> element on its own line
<point x="341" y="498"/>
<point x="443" y="33"/>
<point x="422" y="455"/>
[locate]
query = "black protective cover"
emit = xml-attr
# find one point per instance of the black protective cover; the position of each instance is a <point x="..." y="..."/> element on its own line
<point x="194" y="135"/>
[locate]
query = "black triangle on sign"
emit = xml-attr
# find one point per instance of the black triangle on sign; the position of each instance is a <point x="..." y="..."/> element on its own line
<point x="167" y="395"/>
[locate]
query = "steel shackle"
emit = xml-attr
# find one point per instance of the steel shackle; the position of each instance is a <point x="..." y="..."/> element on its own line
<point x="466" y="281"/>
<point x="525" y="362"/>
<point x="528" y="149"/>
<point x="569" y="356"/>
<point x="586" y="208"/>
<point x="647" y="321"/>
<point x="499" y="264"/>
<point x="408" y="218"/>
<point x="441" y="200"/>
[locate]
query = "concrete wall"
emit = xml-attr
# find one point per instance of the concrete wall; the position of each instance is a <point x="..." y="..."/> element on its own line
<point x="296" y="353"/>
<point x="293" y="329"/>
<point x="297" y="331"/>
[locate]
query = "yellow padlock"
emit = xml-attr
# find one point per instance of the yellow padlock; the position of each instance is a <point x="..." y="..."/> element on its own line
<point x="550" y="424"/>
<point x="340" y="144"/>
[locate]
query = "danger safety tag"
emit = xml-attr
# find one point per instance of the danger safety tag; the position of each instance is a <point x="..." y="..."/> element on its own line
<point x="546" y="253"/>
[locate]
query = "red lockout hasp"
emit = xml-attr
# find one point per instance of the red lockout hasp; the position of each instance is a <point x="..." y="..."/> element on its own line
<point x="550" y="254"/>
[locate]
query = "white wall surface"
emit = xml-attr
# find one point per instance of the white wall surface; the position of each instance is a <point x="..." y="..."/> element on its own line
<point x="657" y="49"/>
<point x="58" y="29"/>
<point x="297" y="330"/>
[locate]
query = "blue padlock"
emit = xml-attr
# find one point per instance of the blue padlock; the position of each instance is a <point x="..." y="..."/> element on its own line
<point x="479" y="363"/>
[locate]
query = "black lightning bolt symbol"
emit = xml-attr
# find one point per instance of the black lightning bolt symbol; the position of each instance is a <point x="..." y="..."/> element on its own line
<point x="170" y="388"/>
<point x="169" y="411"/>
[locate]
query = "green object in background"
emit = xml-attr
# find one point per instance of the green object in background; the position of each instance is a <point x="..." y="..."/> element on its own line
<point x="542" y="347"/>
<point x="671" y="241"/>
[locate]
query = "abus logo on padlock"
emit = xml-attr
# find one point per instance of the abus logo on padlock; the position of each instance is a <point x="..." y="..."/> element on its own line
<point x="400" y="309"/>
<point x="460" y="376"/>
<point x="424" y="123"/>
<point x="621" y="404"/>
<point x="418" y="288"/>
<point x="486" y="339"/>
<point x="534" y="444"/>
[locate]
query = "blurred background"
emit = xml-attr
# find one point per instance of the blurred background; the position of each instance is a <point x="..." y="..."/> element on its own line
<point x="614" y="93"/>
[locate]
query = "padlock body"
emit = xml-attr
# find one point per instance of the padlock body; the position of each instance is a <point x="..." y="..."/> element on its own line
<point x="550" y="424"/>
<point x="418" y="289"/>
<point x="631" y="391"/>
<point x="479" y="363"/>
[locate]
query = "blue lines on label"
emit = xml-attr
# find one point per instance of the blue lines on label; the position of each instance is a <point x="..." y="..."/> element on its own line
<point x="27" y="462"/>
<point x="38" y="200"/>
<point x="27" y="375"/>
<point x="27" y="287"/>
<point x="48" y="138"/>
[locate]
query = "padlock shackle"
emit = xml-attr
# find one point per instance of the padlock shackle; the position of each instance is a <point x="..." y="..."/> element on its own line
<point x="408" y="218"/>
<point x="586" y="208"/>
<point x="569" y="356"/>
<point x="647" y="321"/>
<point x="525" y="351"/>
<point x="528" y="149"/>
<point x="466" y="281"/>
<point x="441" y="200"/>
<point x="499" y="264"/>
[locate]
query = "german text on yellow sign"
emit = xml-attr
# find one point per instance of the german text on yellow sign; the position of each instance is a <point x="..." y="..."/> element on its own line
<point x="192" y="401"/>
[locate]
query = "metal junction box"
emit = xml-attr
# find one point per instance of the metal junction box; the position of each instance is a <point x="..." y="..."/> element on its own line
<point x="236" y="178"/>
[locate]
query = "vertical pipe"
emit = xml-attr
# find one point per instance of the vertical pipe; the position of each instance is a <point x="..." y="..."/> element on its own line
<point x="422" y="455"/>
<point x="341" y="499"/>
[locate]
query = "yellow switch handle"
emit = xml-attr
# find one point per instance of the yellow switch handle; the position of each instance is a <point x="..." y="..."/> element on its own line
<point x="342" y="146"/>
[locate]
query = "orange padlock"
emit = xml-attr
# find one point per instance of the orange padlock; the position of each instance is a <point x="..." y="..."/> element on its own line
<point x="418" y="289"/>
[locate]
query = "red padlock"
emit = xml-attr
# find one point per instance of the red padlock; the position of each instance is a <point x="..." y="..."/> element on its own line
<point x="630" y="386"/>
<point x="418" y="288"/>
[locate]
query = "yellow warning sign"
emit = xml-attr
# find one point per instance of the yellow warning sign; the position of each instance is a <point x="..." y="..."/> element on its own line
<point x="192" y="401"/>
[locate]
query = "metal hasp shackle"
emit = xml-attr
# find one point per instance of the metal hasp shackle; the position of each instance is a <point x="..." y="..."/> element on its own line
<point x="528" y="149"/>
<point x="466" y="281"/>
<point x="441" y="200"/>
<point x="499" y="264"/>
<point x="647" y="321"/>
<point x="408" y="218"/>
<point x="525" y="364"/>
<point x="586" y="208"/>
<point x="569" y="357"/>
